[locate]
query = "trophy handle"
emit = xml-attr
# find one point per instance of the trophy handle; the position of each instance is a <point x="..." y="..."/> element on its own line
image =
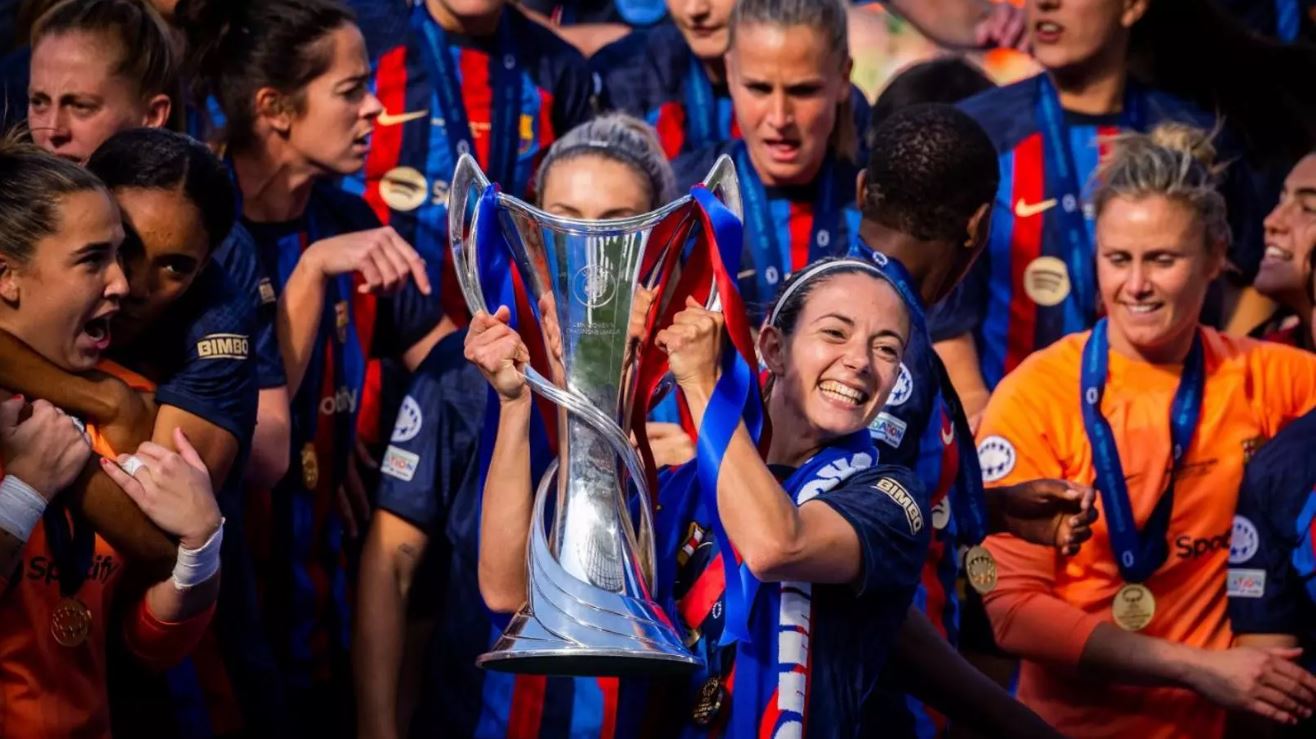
<point x="468" y="183"/>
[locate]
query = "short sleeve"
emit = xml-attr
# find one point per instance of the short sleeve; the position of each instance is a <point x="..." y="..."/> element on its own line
<point x="409" y="468"/>
<point x="237" y="257"/>
<point x="887" y="507"/>
<point x="429" y="473"/>
<point x="216" y="381"/>
<point x="1264" y="590"/>
<point x="1015" y="441"/>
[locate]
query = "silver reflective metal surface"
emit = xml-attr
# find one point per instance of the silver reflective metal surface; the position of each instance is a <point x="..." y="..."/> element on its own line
<point x="589" y="610"/>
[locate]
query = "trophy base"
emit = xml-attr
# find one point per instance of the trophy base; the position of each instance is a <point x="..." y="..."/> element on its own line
<point x="526" y="647"/>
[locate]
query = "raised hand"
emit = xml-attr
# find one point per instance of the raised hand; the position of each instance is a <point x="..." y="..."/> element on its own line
<point x="500" y="354"/>
<point x="693" y="344"/>
<point x="47" y="450"/>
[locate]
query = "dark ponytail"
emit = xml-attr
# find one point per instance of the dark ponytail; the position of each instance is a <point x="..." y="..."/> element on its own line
<point x="237" y="47"/>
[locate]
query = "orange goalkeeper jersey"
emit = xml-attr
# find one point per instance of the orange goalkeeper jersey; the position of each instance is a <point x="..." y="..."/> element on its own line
<point x="1045" y="606"/>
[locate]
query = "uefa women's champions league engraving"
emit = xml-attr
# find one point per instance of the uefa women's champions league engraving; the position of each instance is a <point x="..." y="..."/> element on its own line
<point x="594" y="287"/>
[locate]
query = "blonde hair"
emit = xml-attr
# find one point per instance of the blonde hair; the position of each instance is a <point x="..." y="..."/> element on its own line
<point x="1174" y="161"/>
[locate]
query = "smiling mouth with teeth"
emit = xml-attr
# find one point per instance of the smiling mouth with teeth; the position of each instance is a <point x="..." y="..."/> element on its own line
<point x="844" y="392"/>
<point x="1274" y="252"/>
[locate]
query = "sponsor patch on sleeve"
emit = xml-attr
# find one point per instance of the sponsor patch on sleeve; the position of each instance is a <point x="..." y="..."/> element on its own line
<point x="410" y="420"/>
<point x="223" y="346"/>
<point x="1244" y="541"/>
<point x="399" y="463"/>
<point x="898" y="494"/>
<point x="1246" y="583"/>
<point x="266" y="290"/>
<point x="888" y="429"/>
<point x="996" y="457"/>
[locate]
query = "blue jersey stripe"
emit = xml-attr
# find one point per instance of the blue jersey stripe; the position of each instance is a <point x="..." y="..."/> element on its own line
<point x="991" y="348"/>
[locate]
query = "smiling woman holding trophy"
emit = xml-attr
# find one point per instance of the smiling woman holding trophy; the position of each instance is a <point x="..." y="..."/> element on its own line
<point x="736" y="581"/>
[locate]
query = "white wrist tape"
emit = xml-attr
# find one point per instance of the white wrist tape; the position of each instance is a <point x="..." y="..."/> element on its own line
<point x="195" y="566"/>
<point x="21" y="507"/>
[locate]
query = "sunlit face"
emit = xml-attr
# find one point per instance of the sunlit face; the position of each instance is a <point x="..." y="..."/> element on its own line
<point x="1153" y="268"/>
<point x="835" y="371"/>
<point x="786" y="85"/>
<point x="61" y="300"/>
<point x="166" y="247"/>
<point x="1070" y="33"/>
<point x="332" y="133"/>
<point x="76" y="102"/>
<point x="704" y="24"/>
<point x="594" y="188"/>
<point x="1290" y="236"/>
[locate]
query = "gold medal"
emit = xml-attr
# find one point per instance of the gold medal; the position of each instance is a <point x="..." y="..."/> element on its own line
<point x="709" y="702"/>
<point x="1133" y="607"/>
<point x="980" y="569"/>
<point x="70" y="622"/>
<point x="310" y="467"/>
<point x="340" y="320"/>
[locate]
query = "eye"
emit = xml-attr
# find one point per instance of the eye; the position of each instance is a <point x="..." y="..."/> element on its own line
<point x="758" y="88"/>
<point x="1118" y="259"/>
<point x="833" y="333"/>
<point x="1164" y="260"/>
<point x="178" y="266"/>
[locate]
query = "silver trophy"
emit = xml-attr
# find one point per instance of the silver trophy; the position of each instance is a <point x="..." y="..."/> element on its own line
<point x="589" y="608"/>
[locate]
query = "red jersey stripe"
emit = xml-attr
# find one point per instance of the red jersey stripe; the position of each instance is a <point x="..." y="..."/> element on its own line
<point x="386" y="141"/>
<point x="1029" y="187"/>
<point x="527" y="709"/>
<point x="801" y="234"/>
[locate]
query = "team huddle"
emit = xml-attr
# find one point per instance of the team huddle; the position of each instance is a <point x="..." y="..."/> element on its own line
<point x="972" y="409"/>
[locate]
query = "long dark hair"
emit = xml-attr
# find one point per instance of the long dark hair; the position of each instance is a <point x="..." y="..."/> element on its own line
<point x="237" y="47"/>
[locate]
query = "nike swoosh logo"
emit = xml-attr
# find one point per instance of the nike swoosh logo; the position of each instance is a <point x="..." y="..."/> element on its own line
<point x="388" y="119"/>
<point x="948" y="436"/>
<point x="1028" y="210"/>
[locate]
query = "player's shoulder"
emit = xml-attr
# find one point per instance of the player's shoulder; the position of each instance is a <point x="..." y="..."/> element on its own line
<point x="1290" y="450"/>
<point x="1254" y="355"/>
<point x="1163" y="107"/>
<point x="1005" y="113"/>
<point x="693" y="166"/>
<point x="215" y="304"/>
<point x="646" y="60"/>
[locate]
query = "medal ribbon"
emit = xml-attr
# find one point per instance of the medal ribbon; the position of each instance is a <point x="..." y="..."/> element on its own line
<point x="773" y="262"/>
<point x="1138" y="553"/>
<point x="504" y="79"/>
<point x="1062" y="182"/>
<point x="700" y="106"/>
<point x="769" y="664"/>
<point x="72" y="545"/>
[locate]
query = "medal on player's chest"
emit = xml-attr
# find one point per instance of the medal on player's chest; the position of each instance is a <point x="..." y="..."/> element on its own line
<point x="708" y="704"/>
<point x="341" y="318"/>
<point x="310" y="467"/>
<point x="980" y="569"/>
<point x="70" y="622"/>
<point x="1134" y="607"/>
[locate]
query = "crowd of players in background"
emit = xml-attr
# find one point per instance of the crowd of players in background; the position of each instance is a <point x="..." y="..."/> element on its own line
<point x="1022" y="437"/>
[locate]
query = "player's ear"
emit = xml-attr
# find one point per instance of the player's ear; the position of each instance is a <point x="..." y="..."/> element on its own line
<point x="978" y="225"/>
<point x="861" y="188"/>
<point x="772" y="350"/>
<point x="9" y="280"/>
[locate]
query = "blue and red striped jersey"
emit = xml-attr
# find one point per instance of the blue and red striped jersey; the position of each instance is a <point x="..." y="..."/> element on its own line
<point x="445" y="94"/>
<point x="431" y="478"/>
<point x="306" y="595"/>
<point x="652" y="74"/>
<point x="1032" y="285"/>
<point x="786" y="228"/>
